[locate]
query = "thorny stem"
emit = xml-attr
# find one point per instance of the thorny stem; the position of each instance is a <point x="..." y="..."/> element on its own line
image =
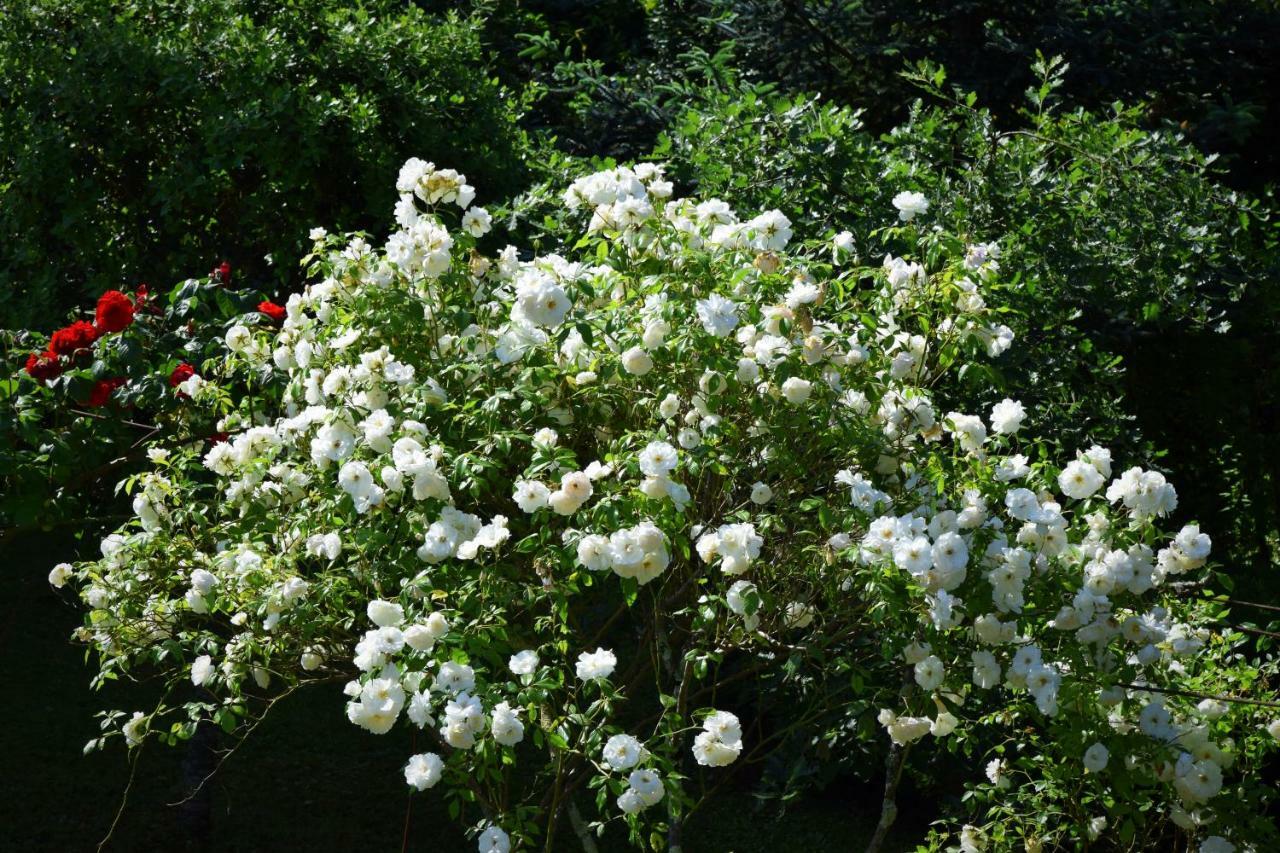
<point x="408" y="809"/>
<point x="1195" y="694"/>
<point x="581" y="829"/>
<point x="893" y="765"/>
<point x="124" y="799"/>
<point x="200" y="786"/>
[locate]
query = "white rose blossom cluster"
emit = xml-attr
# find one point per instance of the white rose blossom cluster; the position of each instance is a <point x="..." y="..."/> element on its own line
<point x="498" y="495"/>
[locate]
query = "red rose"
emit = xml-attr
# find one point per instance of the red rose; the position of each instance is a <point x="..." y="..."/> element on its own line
<point x="272" y="310"/>
<point x="115" y="312"/>
<point x="43" y="366"/>
<point x="102" y="390"/>
<point x="222" y="273"/>
<point x="68" y="341"/>
<point x="219" y="437"/>
<point x="181" y="374"/>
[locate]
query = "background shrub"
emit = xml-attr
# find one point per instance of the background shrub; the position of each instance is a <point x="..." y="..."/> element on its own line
<point x="1202" y="64"/>
<point x="145" y="141"/>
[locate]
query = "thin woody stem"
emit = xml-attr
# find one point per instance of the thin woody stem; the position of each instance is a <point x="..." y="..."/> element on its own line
<point x="893" y="764"/>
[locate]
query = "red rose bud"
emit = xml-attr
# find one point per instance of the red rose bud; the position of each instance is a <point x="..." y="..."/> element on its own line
<point x="219" y="437"/>
<point x="222" y="273"/>
<point x="115" y="312"/>
<point x="43" y="366"/>
<point x="272" y="310"/>
<point x="181" y="374"/>
<point x="102" y="391"/>
<point x="70" y="340"/>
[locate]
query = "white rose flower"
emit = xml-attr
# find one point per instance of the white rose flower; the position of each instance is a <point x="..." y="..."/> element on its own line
<point x="597" y="665"/>
<point x="842" y="246"/>
<point x="637" y="362"/>
<point x="798" y="614"/>
<point x="710" y="751"/>
<point x="648" y="786"/>
<point x="238" y="338"/>
<point x="437" y="625"/>
<point x="594" y="553"/>
<point x="796" y="390"/>
<point x="385" y="614"/>
<point x="629" y="802"/>
<point x="719" y="315"/>
<point x="1095" y="758"/>
<point x="944" y="724"/>
<point x="506" y="726"/>
<point x="1007" y="417"/>
<point x="531" y="496"/>
<point x="929" y="673"/>
<point x="658" y="459"/>
<point x="202" y="670"/>
<point x="494" y="840"/>
<point x="622" y="752"/>
<point x="424" y="771"/>
<point x="60" y="574"/>
<point x="910" y="204"/>
<point x="524" y="663"/>
<point x="454" y="678"/>
<point x="1080" y="479"/>
<point x="477" y="222"/>
<point x="419" y="638"/>
<point x="541" y="301"/>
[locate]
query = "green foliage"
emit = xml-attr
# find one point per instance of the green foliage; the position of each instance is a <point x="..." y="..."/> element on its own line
<point x="1204" y="64"/>
<point x="1145" y="287"/>
<point x="1129" y="254"/>
<point x="1151" y="286"/>
<point x="1116" y="232"/>
<point x="142" y="138"/>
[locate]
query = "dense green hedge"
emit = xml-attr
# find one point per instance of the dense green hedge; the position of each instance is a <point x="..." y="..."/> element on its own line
<point x="145" y="140"/>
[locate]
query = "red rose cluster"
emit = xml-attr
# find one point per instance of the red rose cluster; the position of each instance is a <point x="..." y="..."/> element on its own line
<point x="113" y="314"/>
<point x="275" y="312"/>
<point x="43" y="366"/>
<point x="102" y="391"/>
<point x="222" y="274"/>
<point x="79" y="335"/>
<point x="181" y="374"/>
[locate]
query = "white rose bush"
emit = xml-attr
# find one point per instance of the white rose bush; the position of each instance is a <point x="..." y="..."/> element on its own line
<point x="596" y="534"/>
